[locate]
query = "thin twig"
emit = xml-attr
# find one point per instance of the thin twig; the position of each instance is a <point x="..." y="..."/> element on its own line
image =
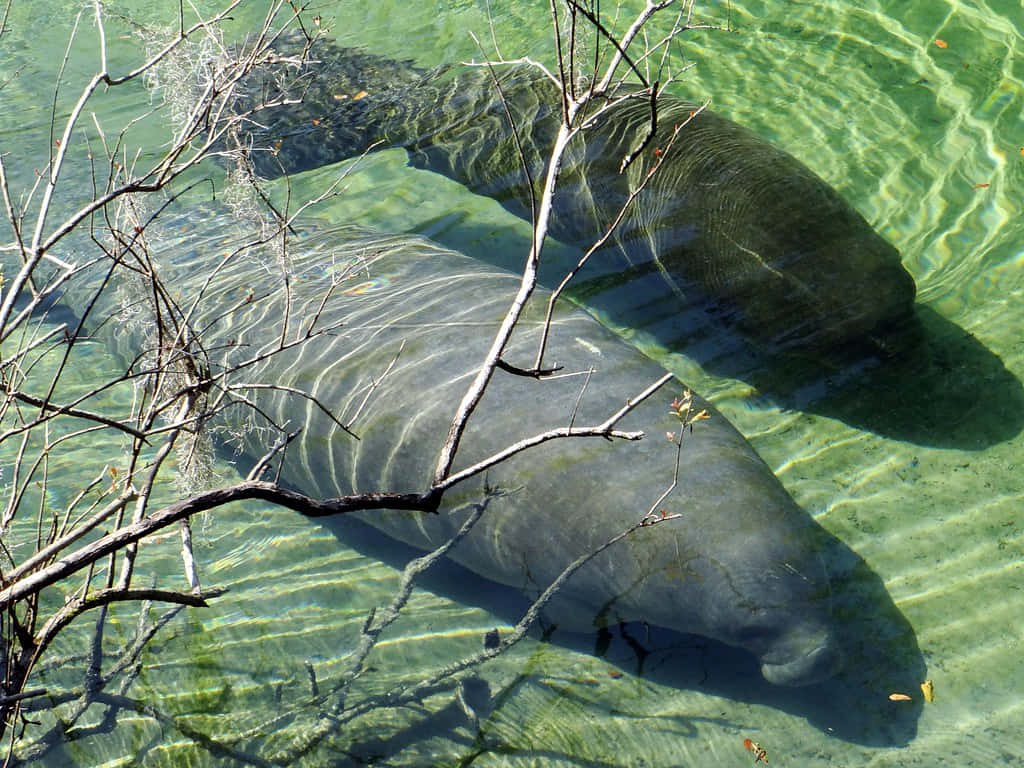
<point x="605" y="429"/>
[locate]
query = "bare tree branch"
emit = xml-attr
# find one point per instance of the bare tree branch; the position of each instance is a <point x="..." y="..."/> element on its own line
<point x="183" y="375"/>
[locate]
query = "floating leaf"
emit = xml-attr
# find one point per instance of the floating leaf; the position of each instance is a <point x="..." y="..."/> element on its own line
<point x="360" y="95"/>
<point x="899" y="697"/>
<point x="760" y="754"/>
<point x="941" y="43"/>
<point x="928" y="690"/>
<point x="981" y="186"/>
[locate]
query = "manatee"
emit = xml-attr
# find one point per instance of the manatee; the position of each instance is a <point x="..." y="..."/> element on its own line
<point x="742" y="563"/>
<point x="731" y="223"/>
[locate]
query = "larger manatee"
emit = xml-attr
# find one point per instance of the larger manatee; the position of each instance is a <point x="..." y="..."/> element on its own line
<point x="409" y="325"/>
<point x="732" y="223"/>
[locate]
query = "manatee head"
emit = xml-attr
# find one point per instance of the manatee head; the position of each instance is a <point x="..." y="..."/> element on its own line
<point x="829" y="282"/>
<point x="744" y="564"/>
<point x="753" y="579"/>
<point x="864" y="297"/>
<point x="787" y="626"/>
<point x="780" y="254"/>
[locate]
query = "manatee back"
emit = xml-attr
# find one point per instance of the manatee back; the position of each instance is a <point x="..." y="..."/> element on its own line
<point x="425" y="316"/>
<point x="392" y="329"/>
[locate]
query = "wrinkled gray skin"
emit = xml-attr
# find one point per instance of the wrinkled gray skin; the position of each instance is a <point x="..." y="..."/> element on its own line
<point x="732" y="223"/>
<point x="743" y="564"/>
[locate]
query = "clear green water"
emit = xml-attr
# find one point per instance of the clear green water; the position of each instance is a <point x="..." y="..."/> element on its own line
<point x="909" y="132"/>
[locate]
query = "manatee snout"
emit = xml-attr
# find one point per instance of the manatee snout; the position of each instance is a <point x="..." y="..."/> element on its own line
<point x="801" y="657"/>
<point x="817" y="665"/>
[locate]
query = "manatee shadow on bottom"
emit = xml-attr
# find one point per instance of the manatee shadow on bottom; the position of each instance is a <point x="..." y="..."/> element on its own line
<point x="881" y="654"/>
<point x="949" y="392"/>
<point x="944" y="389"/>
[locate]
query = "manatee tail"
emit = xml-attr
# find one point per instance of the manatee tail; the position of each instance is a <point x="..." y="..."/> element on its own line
<point x="348" y="100"/>
<point x="454" y="121"/>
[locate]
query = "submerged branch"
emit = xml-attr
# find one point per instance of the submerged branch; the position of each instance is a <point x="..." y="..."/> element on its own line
<point x="202" y="502"/>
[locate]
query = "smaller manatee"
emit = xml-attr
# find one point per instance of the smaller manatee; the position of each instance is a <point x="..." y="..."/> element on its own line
<point x="733" y="224"/>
